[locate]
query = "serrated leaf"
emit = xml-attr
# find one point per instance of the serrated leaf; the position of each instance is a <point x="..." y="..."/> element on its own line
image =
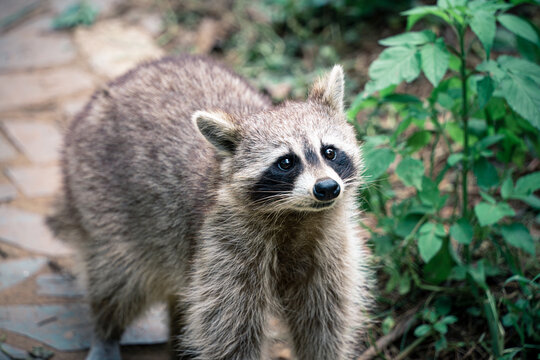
<point x="527" y="184"/>
<point x="484" y="88"/>
<point x="489" y="214"/>
<point x="462" y="231"/>
<point x="435" y="59"/>
<point x="395" y="65"/>
<point x="518" y="235"/>
<point x="523" y="96"/>
<point x="493" y="68"/>
<point x="411" y="171"/>
<point x="520" y="67"/>
<point x="377" y="160"/>
<point x="430" y="240"/>
<point x="482" y="5"/>
<point x="519" y="27"/>
<point x="483" y="25"/>
<point x="486" y="174"/>
<point x="409" y="38"/>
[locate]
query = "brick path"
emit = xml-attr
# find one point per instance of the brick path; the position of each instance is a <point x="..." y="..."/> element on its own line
<point x="46" y="77"/>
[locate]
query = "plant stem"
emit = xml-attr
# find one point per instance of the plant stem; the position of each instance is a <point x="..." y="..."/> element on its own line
<point x="465" y="119"/>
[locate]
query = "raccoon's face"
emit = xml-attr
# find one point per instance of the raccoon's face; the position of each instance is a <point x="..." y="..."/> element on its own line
<point x="299" y="156"/>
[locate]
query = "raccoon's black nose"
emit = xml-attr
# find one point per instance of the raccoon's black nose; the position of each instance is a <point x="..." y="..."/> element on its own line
<point x="326" y="189"/>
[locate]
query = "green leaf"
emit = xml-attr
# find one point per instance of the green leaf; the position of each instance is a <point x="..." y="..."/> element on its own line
<point x="462" y="231"/>
<point x="486" y="174"/>
<point x="478" y="273"/>
<point x="440" y="266"/>
<point x="507" y="188"/>
<point x="523" y="96"/>
<point x="484" y="26"/>
<point x="377" y="160"/>
<point x="519" y="27"/>
<point x="406" y="225"/>
<point x="418" y="140"/>
<point x="484" y="88"/>
<point x="435" y="60"/>
<point x="454" y="159"/>
<point x="419" y="12"/>
<point x="527" y="184"/>
<point x="409" y="38"/>
<point x="520" y="67"/>
<point x="411" y="171"/>
<point x="430" y="240"/>
<point x="518" y="235"/>
<point x="422" y="330"/>
<point x="493" y="68"/>
<point x="77" y="14"/>
<point x="441" y="327"/>
<point x="394" y="65"/>
<point x="430" y="193"/>
<point x="489" y="214"/>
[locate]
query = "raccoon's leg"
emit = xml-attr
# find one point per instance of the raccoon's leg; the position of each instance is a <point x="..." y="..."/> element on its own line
<point x="318" y="322"/>
<point x="228" y="311"/>
<point x="177" y="324"/>
<point x="116" y="299"/>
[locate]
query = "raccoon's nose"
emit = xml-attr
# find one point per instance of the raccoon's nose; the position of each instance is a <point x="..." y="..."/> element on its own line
<point x="326" y="189"/>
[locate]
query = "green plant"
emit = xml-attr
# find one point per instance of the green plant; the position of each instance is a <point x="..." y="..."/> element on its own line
<point x="75" y="15"/>
<point x="445" y="236"/>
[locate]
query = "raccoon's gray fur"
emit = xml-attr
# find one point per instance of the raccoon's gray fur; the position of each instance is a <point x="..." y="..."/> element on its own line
<point x="182" y="183"/>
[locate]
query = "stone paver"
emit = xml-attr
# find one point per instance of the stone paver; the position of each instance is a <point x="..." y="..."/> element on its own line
<point x="39" y="141"/>
<point x="20" y="51"/>
<point x="13" y="272"/>
<point x="17" y="90"/>
<point x="27" y="230"/>
<point x="58" y="285"/>
<point x="112" y="47"/>
<point x="8" y="192"/>
<point x="12" y="8"/>
<point x="7" y="151"/>
<point x="68" y="327"/>
<point x="36" y="181"/>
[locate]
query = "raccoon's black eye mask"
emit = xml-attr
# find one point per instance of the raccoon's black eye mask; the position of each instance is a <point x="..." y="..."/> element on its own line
<point x="278" y="179"/>
<point x="339" y="161"/>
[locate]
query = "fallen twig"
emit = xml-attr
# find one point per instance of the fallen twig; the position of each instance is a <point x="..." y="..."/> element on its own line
<point x="408" y="320"/>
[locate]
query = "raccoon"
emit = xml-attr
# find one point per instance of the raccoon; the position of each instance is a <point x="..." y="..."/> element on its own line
<point x="183" y="183"/>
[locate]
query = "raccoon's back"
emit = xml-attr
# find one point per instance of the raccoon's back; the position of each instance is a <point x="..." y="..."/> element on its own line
<point x="134" y="164"/>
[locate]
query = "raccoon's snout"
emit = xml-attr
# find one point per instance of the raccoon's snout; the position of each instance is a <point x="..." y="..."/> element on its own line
<point x="326" y="189"/>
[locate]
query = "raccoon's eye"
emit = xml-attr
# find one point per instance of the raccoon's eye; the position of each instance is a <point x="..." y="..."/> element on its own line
<point x="329" y="153"/>
<point x="286" y="163"/>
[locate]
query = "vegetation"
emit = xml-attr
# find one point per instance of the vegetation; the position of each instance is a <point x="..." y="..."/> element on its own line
<point x="458" y="241"/>
<point x="452" y="162"/>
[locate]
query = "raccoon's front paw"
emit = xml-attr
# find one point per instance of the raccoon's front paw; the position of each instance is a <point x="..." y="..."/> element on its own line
<point x="104" y="350"/>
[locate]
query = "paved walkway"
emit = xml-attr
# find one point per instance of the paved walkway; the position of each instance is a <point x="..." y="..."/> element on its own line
<point x="46" y="77"/>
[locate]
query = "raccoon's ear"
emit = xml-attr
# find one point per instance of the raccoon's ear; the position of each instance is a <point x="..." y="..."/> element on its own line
<point x="330" y="88"/>
<point x="218" y="129"/>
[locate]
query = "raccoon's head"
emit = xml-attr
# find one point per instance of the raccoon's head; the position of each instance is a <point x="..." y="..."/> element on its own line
<point x="299" y="156"/>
